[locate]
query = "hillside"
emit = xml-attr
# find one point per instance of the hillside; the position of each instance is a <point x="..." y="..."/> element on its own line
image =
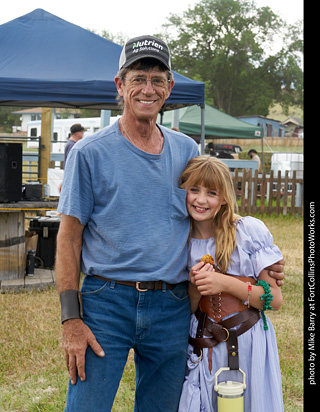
<point x="276" y="113"/>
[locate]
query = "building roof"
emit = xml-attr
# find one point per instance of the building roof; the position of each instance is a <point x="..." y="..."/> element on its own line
<point x="27" y="111"/>
<point x="295" y="120"/>
<point x="38" y="110"/>
<point x="261" y="117"/>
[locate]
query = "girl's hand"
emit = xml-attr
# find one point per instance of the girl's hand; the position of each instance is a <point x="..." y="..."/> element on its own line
<point x="194" y="269"/>
<point x="199" y="267"/>
<point x="207" y="281"/>
<point x="194" y="293"/>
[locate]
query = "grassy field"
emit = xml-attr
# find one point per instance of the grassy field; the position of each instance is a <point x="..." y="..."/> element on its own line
<point x="32" y="371"/>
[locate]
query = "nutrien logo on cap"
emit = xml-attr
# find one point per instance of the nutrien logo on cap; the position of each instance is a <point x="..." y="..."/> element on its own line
<point x="147" y="43"/>
<point x="143" y="47"/>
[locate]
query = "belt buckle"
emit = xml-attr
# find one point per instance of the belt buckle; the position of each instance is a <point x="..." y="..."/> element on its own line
<point x="138" y="287"/>
<point x="224" y="340"/>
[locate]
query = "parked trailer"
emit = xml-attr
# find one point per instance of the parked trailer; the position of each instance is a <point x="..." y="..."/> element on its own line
<point x="61" y="131"/>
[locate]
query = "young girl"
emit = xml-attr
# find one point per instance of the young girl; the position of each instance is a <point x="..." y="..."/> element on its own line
<point x="228" y="299"/>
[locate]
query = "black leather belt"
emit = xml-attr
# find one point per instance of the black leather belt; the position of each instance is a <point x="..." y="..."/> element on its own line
<point x="141" y="286"/>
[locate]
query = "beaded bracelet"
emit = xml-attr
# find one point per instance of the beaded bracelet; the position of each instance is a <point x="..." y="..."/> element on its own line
<point x="268" y="297"/>
<point x="247" y="302"/>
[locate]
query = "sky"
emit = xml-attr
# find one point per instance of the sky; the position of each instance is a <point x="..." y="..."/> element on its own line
<point x="128" y="17"/>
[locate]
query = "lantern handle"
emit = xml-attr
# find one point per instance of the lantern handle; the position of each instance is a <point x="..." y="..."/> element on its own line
<point x="227" y="369"/>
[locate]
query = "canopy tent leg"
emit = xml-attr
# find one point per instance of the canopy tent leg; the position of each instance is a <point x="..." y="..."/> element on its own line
<point x="175" y="119"/>
<point x="105" y="118"/>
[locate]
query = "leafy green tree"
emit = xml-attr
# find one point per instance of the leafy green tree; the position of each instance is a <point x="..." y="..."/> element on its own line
<point x="118" y="38"/>
<point x="8" y="119"/>
<point x="229" y="44"/>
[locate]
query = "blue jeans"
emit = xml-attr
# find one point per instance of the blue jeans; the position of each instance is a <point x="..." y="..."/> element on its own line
<point x="155" y="324"/>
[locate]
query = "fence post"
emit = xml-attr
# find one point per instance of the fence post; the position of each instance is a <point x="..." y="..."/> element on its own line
<point x="285" y="195"/>
<point x="263" y="191"/>
<point x="255" y="192"/>
<point x="250" y="191"/>
<point x="235" y="182"/>
<point x="294" y="188"/>
<point x="270" y="193"/>
<point x="243" y="191"/>
<point x="299" y="195"/>
<point x="278" y="196"/>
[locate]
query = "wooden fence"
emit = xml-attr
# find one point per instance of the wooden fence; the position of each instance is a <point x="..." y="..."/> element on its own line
<point x="274" y="142"/>
<point x="268" y="193"/>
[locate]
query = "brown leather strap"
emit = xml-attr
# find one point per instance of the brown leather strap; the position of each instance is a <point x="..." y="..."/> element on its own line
<point x="233" y="354"/>
<point x="141" y="286"/>
<point x="200" y="329"/>
<point x="219" y="332"/>
<point x="240" y="318"/>
<point x="222" y="332"/>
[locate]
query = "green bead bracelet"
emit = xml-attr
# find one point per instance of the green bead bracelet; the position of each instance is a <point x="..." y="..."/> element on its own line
<point x="268" y="298"/>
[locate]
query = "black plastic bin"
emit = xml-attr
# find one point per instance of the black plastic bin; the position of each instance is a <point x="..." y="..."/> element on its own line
<point x="46" y="229"/>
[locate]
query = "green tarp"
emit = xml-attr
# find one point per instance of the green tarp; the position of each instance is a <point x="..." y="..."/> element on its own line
<point x="217" y="124"/>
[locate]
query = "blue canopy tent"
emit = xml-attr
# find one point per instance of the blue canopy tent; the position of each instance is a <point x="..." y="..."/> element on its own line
<point x="48" y="62"/>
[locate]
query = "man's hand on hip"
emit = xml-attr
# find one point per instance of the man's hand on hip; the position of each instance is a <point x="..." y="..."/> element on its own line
<point x="76" y="338"/>
<point x="276" y="271"/>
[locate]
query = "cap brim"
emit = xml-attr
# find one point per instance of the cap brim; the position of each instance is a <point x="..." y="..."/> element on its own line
<point x="151" y="56"/>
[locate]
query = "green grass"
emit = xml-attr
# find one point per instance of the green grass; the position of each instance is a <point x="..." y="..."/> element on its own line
<point x="288" y="321"/>
<point x="33" y="377"/>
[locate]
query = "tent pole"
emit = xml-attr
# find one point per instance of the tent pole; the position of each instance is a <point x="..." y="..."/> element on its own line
<point x="105" y="118"/>
<point x="175" y="119"/>
<point x="202" y="128"/>
<point x="161" y="116"/>
<point x="47" y="120"/>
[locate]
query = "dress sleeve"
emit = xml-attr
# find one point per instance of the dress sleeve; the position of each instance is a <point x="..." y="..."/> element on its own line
<point x="256" y="240"/>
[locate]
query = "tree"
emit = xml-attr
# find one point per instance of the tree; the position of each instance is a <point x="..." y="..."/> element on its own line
<point x="118" y="38"/>
<point x="8" y="119"/>
<point x="228" y="44"/>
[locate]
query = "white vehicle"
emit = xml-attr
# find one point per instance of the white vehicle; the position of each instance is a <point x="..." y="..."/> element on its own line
<point x="61" y="131"/>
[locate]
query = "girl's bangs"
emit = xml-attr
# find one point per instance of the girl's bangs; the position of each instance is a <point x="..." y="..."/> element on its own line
<point x="205" y="176"/>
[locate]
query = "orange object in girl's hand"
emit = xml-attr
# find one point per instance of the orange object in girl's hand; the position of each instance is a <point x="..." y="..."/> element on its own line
<point x="207" y="259"/>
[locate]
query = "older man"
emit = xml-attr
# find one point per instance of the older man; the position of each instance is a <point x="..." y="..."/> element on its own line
<point x="125" y="226"/>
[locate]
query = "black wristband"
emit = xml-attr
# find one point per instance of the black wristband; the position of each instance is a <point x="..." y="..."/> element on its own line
<point x="71" y="305"/>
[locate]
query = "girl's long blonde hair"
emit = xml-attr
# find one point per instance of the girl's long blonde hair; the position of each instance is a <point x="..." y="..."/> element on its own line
<point x="213" y="174"/>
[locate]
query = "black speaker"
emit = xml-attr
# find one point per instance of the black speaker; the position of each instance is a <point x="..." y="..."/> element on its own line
<point x="10" y="172"/>
<point x="32" y="191"/>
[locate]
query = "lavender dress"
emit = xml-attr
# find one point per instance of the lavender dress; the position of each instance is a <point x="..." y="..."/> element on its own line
<point x="258" y="353"/>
